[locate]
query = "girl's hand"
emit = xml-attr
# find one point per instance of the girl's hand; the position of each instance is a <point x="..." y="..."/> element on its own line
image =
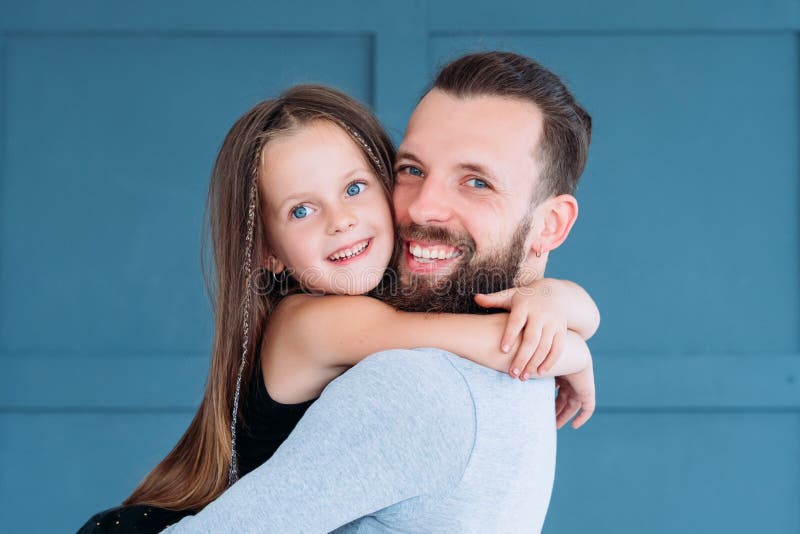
<point x="575" y="392"/>
<point x="543" y="325"/>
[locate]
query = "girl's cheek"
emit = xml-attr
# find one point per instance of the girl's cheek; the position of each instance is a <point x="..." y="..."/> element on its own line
<point x="307" y="246"/>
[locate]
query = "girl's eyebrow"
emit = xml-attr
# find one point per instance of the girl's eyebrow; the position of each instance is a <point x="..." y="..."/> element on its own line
<point x="295" y="197"/>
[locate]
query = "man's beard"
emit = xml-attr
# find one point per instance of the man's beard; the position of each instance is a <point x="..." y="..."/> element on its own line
<point x="454" y="292"/>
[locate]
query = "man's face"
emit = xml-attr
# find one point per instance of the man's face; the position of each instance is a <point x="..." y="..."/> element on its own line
<point x="466" y="172"/>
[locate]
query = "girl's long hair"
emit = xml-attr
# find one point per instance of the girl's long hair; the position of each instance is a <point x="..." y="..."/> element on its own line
<point x="195" y="472"/>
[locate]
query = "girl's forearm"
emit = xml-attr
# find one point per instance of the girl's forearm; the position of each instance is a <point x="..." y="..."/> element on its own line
<point x="575" y="356"/>
<point x="341" y="331"/>
<point x="477" y="338"/>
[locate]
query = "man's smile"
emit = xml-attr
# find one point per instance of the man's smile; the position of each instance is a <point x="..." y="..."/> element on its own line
<point x="428" y="257"/>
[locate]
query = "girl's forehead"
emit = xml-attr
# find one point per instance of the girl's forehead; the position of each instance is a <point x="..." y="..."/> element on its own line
<point x="319" y="142"/>
<point x="312" y="160"/>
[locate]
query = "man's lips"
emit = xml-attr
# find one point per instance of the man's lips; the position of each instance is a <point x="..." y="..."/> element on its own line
<point x="428" y="257"/>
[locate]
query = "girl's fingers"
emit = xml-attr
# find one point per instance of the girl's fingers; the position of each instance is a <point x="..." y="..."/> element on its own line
<point x="514" y="325"/>
<point x="519" y="361"/>
<point x="561" y="401"/>
<point x="545" y="341"/>
<point x="530" y="339"/>
<point x="579" y="420"/>
<point x="569" y="412"/>
<point x="553" y="355"/>
<point x="500" y="299"/>
<point x="587" y="409"/>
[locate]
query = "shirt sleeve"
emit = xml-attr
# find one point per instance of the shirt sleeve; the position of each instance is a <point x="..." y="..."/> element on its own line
<point x="398" y="425"/>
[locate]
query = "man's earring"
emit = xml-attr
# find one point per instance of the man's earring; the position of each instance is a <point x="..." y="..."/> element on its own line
<point x="539" y="253"/>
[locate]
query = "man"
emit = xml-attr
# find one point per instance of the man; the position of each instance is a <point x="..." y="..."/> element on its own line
<point x="423" y="440"/>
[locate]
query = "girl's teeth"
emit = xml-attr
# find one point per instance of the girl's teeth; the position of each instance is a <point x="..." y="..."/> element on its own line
<point x="350" y="252"/>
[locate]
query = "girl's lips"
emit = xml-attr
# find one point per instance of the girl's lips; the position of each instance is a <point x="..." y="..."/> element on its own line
<point x="351" y="259"/>
<point x="428" y="267"/>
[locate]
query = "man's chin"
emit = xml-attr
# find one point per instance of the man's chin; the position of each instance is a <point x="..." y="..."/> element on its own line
<point x="427" y="278"/>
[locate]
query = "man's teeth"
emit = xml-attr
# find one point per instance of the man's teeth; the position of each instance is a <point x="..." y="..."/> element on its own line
<point x="350" y="252"/>
<point x="433" y="253"/>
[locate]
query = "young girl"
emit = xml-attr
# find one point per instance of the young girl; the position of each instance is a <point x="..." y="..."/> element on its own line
<point x="300" y="207"/>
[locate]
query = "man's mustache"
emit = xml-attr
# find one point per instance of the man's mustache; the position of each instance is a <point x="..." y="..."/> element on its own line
<point x="416" y="232"/>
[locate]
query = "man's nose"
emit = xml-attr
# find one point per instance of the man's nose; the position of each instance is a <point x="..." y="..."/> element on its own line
<point x="341" y="219"/>
<point x="432" y="204"/>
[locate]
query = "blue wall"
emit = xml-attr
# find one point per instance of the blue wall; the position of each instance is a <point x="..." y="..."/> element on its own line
<point x="110" y="117"/>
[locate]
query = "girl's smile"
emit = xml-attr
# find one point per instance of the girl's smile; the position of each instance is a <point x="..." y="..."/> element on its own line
<point x="350" y="253"/>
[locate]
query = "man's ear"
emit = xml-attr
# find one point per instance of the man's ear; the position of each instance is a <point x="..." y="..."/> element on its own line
<point x="556" y="216"/>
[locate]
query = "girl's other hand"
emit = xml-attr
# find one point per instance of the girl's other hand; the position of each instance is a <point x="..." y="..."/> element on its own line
<point x="537" y="321"/>
<point x="575" y="392"/>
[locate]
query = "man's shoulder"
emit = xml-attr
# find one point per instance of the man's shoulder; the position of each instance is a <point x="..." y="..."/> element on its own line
<point x="434" y="366"/>
<point x="421" y="359"/>
<point x="416" y="375"/>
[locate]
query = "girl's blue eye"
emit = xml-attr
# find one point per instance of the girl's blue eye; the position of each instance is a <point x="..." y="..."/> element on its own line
<point x="355" y="188"/>
<point x="300" y="212"/>
<point x="414" y="171"/>
<point x="478" y="183"/>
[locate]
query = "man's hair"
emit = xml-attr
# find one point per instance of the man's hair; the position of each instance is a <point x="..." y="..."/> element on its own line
<point x="567" y="128"/>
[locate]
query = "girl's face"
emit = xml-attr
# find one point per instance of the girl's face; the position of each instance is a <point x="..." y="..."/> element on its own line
<point x="326" y="215"/>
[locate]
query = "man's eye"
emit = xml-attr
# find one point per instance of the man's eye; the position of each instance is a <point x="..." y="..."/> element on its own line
<point x="355" y="188"/>
<point x="410" y="169"/>
<point x="300" y="212"/>
<point x="477" y="183"/>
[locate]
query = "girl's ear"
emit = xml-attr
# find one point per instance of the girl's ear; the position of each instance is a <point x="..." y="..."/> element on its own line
<point x="273" y="264"/>
<point x="270" y="260"/>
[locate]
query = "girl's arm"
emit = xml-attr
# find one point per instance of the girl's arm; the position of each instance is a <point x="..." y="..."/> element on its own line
<point x="325" y="335"/>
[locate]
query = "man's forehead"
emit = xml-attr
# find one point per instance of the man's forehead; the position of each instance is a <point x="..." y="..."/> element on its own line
<point x="487" y="108"/>
<point x="477" y="129"/>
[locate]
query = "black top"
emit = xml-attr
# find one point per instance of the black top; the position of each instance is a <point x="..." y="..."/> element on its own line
<point x="268" y="424"/>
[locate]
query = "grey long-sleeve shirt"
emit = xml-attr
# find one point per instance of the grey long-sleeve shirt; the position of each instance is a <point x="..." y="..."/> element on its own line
<point x="406" y="441"/>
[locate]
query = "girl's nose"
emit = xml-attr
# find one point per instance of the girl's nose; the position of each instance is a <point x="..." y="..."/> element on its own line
<point x="342" y="220"/>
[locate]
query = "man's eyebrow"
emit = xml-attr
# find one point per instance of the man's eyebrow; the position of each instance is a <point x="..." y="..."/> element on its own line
<point x="405" y="154"/>
<point x="477" y="168"/>
<point x="474" y="167"/>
